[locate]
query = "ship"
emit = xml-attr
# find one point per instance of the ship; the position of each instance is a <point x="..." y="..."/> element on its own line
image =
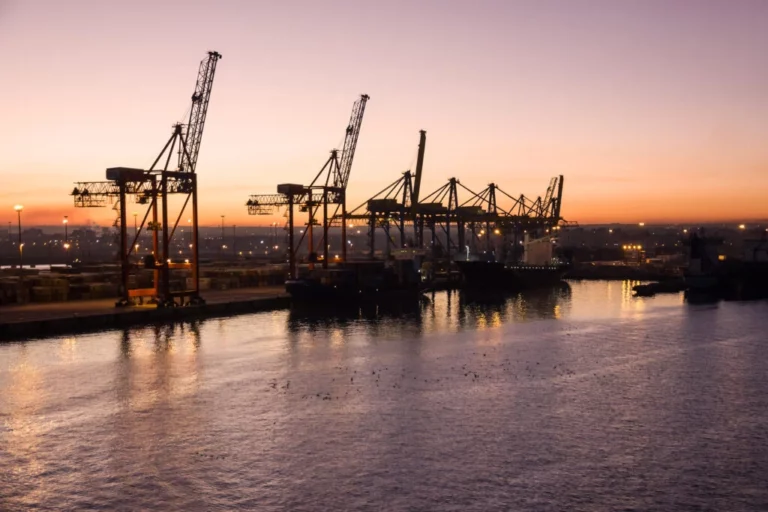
<point x="719" y="275"/>
<point x="537" y="268"/>
<point x="396" y="279"/>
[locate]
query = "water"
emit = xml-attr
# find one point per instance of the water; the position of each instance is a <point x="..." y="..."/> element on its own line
<point x="581" y="398"/>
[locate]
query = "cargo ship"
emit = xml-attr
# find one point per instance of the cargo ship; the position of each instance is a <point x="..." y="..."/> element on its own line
<point x="537" y="268"/>
<point x="494" y="274"/>
<point x="398" y="278"/>
<point x="712" y="273"/>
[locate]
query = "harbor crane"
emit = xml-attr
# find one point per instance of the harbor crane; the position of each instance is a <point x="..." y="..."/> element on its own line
<point x="396" y="204"/>
<point x="327" y="189"/>
<point x="153" y="188"/>
<point x="456" y="216"/>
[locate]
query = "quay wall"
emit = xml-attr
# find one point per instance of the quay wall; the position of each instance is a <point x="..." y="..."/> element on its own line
<point x="115" y="318"/>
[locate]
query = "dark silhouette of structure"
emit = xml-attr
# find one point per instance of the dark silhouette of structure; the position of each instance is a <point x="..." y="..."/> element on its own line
<point x="154" y="188"/>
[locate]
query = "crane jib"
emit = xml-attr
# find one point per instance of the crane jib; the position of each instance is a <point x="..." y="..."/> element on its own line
<point x="198" y="112"/>
<point x="350" y="142"/>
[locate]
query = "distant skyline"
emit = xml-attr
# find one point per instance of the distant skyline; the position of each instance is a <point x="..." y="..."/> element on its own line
<point x="654" y="111"/>
<point x="750" y="225"/>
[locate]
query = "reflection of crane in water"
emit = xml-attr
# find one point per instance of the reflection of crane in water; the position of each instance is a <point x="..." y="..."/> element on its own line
<point x="438" y="311"/>
<point x="478" y="307"/>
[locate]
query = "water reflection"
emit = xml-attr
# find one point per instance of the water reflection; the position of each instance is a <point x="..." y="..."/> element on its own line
<point x="21" y="431"/>
<point x="157" y="364"/>
<point x="440" y="311"/>
<point x="298" y="410"/>
<point x="491" y="308"/>
<point x="302" y="317"/>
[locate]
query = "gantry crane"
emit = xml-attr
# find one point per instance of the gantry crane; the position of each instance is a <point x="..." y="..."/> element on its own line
<point x="327" y="189"/>
<point x="395" y="204"/>
<point x="154" y="187"/>
<point x="481" y="210"/>
<point x="450" y="220"/>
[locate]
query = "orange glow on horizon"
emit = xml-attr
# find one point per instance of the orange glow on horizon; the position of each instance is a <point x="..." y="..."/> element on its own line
<point x="644" y="125"/>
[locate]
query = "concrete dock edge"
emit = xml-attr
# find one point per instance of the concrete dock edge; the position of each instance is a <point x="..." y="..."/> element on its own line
<point x="131" y="317"/>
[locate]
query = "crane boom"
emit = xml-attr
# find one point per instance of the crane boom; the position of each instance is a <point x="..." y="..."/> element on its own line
<point x="419" y="169"/>
<point x="559" y="200"/>
<point x="550" y="193"/>
<point x="200" y="99"/>
<point x="350" y="142"/>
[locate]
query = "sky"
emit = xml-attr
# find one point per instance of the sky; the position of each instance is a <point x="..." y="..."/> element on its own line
<point x="654" y="111"/>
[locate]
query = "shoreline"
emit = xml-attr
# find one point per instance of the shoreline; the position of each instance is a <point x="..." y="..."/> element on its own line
<point x="58" y="319"/>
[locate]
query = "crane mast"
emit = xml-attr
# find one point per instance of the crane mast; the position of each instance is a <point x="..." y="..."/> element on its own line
<point x="200" y="99"/>
<point x="341" y="178"/>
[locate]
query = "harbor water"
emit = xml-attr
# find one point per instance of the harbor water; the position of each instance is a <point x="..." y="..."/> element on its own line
<point x="580" y="397"/>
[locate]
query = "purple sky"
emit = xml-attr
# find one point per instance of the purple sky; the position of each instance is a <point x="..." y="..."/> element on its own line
<point x="653" y="110"/>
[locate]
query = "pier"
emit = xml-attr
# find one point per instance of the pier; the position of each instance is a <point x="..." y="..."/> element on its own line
<point x="27" y="321"/>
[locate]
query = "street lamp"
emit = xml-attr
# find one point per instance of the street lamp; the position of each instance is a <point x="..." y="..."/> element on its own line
<point x="18" y="209"/>
<point x="135" y="225"/>
<point x="66" y="239"/>
<point x="274" y="233"/>
<point x="222" y="234"/>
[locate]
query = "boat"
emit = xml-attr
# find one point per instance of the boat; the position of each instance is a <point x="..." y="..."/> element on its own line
<point x="512" y="276"/>
<point x="651" y="289"/>
<point x="537" y="268"/>
<point x="711" y="273"/>
<point x="397" y="278"/>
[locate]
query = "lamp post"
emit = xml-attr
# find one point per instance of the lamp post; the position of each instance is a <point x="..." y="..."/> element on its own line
<point x="234" y="240"/>
<point x="221" y="248"/>
<point x="135" y="225"/>
<point x="66" y="240"/>
<point x="18" y="209"/>
<point x="274" y="234"/>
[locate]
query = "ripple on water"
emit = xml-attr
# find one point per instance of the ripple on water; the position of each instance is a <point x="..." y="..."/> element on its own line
<point x="576" y="398"/>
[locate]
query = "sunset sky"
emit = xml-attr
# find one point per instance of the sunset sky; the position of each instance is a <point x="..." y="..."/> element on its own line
<point x="653" y="110"/>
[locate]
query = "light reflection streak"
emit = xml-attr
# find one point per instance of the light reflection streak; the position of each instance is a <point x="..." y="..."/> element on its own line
<point x="157" y="364"/>
<point x="22" y="403"/>
<point x="68" y="348"/>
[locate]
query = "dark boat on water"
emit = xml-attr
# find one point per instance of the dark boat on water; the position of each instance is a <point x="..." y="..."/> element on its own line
<point x="360" y="281"/>
<point x="537" y="268"/>
<point x="713" y="274"/>
<point x="495" y="274"/>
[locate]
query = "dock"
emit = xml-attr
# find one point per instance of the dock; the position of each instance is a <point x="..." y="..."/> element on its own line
<point x="25" y="321"/>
